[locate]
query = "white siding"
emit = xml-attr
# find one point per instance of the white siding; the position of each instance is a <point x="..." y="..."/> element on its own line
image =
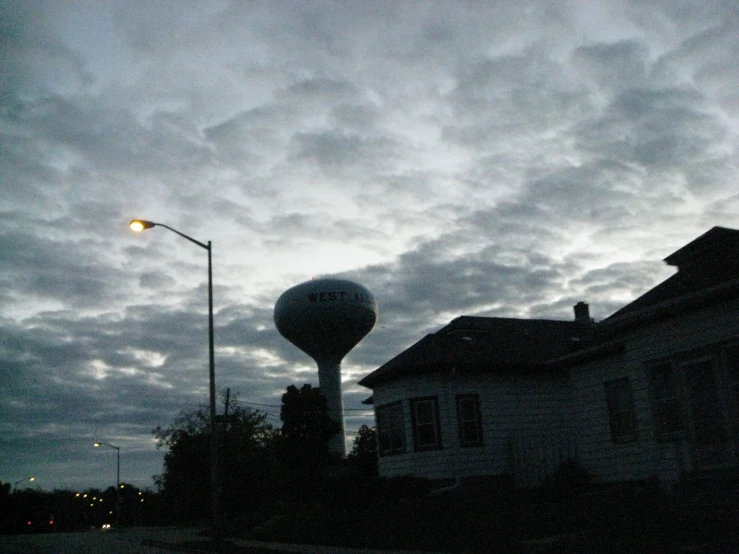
<point x="644" y="457"/>
<point x="525" y="425"/>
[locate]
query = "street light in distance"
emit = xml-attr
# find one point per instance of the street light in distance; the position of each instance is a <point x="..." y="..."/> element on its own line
<point x="29" y="479"/>
<point x="117" y="474"/>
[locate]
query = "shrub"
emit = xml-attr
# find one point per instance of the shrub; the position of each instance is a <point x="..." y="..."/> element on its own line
<point x="569" y="480"/>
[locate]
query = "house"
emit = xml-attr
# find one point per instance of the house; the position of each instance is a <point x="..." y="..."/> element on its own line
<point x="652" y="390"/>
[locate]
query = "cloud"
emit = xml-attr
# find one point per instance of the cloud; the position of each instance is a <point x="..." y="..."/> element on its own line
<point x="454" y="157"/>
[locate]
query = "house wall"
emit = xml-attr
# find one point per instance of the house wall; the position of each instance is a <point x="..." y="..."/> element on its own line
<point x="646" y="456"/>
<point x="525" y="421"/>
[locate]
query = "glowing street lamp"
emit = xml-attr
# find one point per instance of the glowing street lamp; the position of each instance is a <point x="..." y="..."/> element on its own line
<point x="139" y="225"/>
<point x="117" y="474"/>
<point x="29" y="479"/>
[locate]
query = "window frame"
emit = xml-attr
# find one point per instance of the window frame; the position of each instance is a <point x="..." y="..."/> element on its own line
<point x="464" y="442"/>
<point x="618" y="417"/>
<point x="697" y="430"/>
<point x="389" y="435"/>
<point x="668" y="406"/>
<point x="434" y="423"/>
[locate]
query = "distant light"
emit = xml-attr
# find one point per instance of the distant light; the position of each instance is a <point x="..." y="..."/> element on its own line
<point x="31" y="478"/>
<point x="97" y="444"/>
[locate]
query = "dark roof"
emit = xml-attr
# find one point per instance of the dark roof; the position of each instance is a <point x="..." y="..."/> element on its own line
<point x="718" y="242"/>
<point x="708" y="261"/>
<point x="484" y="344"/>
<point x="708" y="271"/>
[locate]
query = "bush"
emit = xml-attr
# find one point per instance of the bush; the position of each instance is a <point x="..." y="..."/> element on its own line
<point x="569" y="480"/>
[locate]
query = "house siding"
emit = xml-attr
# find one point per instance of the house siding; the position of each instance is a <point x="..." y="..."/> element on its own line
<point x="666" y="339"/>
<point x="526" y="426"/>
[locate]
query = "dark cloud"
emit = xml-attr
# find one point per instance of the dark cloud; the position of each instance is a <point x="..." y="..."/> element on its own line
<point x="613" y="66"/>
<point x="454" y="157"/>
<point x="36" y="267"/>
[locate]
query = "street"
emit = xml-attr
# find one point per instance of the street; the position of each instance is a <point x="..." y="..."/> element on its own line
<point x="129" y="541"/>
<point x="125" y="541"/>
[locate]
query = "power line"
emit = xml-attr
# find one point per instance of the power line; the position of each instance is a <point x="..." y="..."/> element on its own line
<point x="365" y="410"/>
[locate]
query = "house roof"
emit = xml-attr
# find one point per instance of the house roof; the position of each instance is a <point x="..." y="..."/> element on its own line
<point x="717" y="242"/>
<point x="484" y="344"/>
<point x="708" y="272"/>
<point x="708" y="261"/>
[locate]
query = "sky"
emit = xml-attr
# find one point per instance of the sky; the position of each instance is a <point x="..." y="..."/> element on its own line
<point x="504" y="159"/>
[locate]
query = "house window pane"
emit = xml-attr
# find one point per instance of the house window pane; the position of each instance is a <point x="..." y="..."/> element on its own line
<point x="426" y="427"/>
<point x="709" y="434"/>
<point x="665" y="402"/>
<point x="620" y="401"/>
<point x="470" y="422"/>
<point x="731" y="356"/>
<point x="732" y="363"/>
<point x="390" y="429"/>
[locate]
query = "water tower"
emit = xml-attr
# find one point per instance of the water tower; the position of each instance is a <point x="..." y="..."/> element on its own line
<point x="326" y="318"/>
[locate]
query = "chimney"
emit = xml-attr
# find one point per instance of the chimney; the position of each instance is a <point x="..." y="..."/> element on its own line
<point x="582" y="313"/>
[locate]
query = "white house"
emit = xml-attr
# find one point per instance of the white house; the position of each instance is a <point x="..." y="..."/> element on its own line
<point x="652" y="390"/>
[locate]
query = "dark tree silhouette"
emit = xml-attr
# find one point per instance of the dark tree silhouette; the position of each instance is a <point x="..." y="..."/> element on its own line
<point x="306" y="428"/>
<point x="364" y="451"/>
<point x="246" y="462"/>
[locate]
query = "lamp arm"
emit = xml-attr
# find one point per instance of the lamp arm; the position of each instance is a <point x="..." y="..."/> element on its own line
<point x="184" y="236"/>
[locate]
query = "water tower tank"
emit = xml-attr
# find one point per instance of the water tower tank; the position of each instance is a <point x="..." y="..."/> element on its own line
<point x="326" y="318"/>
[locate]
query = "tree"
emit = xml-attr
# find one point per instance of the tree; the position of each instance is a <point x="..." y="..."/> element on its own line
<point x="246" y="459"/>
<point x="306" y="428"/>
<point x="364" y="451"/>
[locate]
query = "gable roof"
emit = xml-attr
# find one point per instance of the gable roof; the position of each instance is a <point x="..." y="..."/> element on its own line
<point x="484" y="344"/>
<point x="708" y="261"/>
<point x="714" y="243"/>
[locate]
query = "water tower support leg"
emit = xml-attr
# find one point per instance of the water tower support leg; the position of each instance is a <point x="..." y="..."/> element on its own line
<point x="329" y="379"/>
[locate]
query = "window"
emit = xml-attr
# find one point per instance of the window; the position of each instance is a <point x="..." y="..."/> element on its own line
<point x="390" y="429"/>
<point x="425" y="420"/>
<point x="620" y="400"/>
<point x="732" y="363"/>
<point x="710" y="437"/>
<point x="469" y="419"/>
<point x="665" y="402"/>
<point x="731" y="357"/>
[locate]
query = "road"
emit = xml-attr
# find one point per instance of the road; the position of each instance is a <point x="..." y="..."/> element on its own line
<point x="130" y="541"/>
<point x="125" y="541"/>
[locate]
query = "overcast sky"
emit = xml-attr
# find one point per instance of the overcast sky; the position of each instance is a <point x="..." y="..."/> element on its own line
<point x="456" y="158"/>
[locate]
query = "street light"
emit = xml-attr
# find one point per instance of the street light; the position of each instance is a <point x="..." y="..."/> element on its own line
<point x="139" y="225"/>
<point x="29" y="479"/>
<point x="117" y="476"/>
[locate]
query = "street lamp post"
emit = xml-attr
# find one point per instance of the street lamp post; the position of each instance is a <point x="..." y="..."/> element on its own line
<point x="140" y="225"/>
<point x="29" y="479"/>
<point x="117" y="478"/>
